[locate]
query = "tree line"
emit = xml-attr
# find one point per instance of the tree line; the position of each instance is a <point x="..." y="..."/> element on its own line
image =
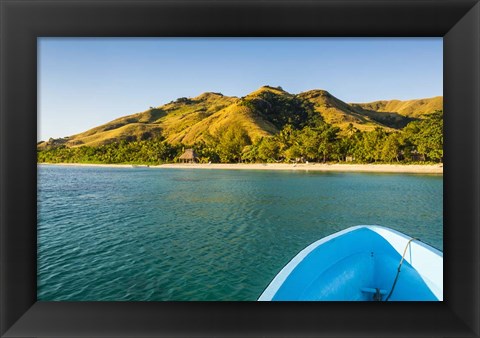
<point x="419" y="141"/>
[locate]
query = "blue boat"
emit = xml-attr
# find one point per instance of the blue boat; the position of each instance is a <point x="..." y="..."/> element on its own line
<point x="361" y="263"/>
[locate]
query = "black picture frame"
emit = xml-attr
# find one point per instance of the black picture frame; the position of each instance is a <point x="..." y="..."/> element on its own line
<point x="22" y="21"/>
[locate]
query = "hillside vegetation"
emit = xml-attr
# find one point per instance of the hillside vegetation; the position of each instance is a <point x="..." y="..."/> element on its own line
<point x="410" y="108"/>
<point x="266" y="125"/>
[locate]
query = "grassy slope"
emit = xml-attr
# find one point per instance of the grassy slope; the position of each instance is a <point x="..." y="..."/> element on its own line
<point x="189" y="120"/>
<point x="341" y="114"/>
<point x="167" y="120"/>
<point x="410" y="108"/>
<point x="235" y="115"/>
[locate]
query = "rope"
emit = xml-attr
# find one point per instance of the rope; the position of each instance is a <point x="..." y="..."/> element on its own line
<point x="399" y="268"/>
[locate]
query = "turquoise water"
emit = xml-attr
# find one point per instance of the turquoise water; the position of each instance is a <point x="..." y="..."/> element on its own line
<point x="148" y="234"/>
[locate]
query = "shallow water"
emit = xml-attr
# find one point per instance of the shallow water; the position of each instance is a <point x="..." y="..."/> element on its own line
<point x="184" y="234"/>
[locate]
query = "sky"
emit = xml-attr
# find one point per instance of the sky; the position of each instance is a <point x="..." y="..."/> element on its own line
<point x="85" y="82"/>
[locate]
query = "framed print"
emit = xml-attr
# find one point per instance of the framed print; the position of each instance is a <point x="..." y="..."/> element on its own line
<point x="80" y="244"/>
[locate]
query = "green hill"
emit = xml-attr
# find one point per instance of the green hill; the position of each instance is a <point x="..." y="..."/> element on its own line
<point x="261" y="113"/>
<point x="409" y="108"/>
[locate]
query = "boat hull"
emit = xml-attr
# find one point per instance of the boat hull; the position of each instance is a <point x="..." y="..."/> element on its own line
<point x="361" y="264"/>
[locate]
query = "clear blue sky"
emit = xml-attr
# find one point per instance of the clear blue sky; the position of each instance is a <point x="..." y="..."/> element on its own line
<point x="84" y="82"/>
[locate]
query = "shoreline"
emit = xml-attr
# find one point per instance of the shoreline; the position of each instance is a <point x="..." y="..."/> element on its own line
<point x="321" y="167"/>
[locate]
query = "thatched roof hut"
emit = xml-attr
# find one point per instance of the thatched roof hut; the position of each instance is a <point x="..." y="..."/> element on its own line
<point x="189" y="156"/>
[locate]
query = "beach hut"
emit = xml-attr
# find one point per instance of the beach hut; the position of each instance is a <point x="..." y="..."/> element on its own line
<point x="189" y="156"/>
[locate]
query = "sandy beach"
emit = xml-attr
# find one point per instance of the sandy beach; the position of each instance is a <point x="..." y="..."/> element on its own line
<point x="380" y="168"/>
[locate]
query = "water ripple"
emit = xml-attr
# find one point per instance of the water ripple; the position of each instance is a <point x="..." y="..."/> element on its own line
<point x="115" y="234"/>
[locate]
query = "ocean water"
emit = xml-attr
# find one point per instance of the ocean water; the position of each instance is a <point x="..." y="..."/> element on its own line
<point x="145" y="234"/>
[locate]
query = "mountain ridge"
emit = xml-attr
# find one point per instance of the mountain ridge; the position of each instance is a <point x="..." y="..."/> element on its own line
<point x="263" y="112"/>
